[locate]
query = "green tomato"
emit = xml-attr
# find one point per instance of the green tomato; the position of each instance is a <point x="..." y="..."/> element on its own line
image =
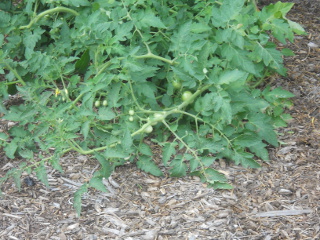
<point x="148" y="129"/>
<point x="105" y="103"/>
<point x="159" y="116"/>
<point x="153" y="123"/>
<point x="131" y="112"/>
<point x="176" y="84"/>
<point x="131" y="119"/>
<point x="97" y="103"/>
<point x="186" y="96"/>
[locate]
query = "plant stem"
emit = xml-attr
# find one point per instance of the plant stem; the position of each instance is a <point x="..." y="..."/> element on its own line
<point x="47" y="12"/>
<point x="76" y="100"/>
<point x="15" y="73"/>
<point x="151" y="55"/>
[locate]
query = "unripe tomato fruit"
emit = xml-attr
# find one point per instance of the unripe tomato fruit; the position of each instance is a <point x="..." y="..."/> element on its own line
<point x="131" y="112"/>
<point x="186" y="96"/>
<point x="159" y="116"/>
<point x="148" y="129"/>
<point x="97" y="103"/>
<point x="131" y="119"/>
<point x="105" y="103"/>
<point x="152" y="121"/>
<point x="176" y="84"/>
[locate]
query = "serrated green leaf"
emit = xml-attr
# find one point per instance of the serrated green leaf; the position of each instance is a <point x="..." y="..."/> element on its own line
<point x="26" y="153"/>
<point x="213" y="175"/>
<point x="115" y="152"/>
<point x="145" y="149"/>
<point x="278" y="93"/>
<point x="194" y="164"/>
<point x="127" y="140"/>
<point x="226" y="110"/>
<point x="78" y="3"/>
<point x="179" y="168"/>
<point x="106" y="166"/>
<point x="18" y="131"/>
<point x="246" y="100"/>
<point x="85" y="129"/>
<point x="281" y="30"/>
<point x="11" y="149"/>
<point x="146" y="164"/>
<point x="149" y="19"/>
<point x="96" y="182"/>
<point x="228" y="77"/>
<point x="123" y="31"/>
<point x="83" y="63"/>
<point x="260" y="151"/>
<point x="199" y="28"/>
<point x="106" y="113"/>
<point x="55" y="163"/>
<point x="226" y="11"/>
<point x="42" y="174"/>
<point x="219" y="185"/>
<point x="1" y="39"/>
<point x="297" y="28"/>
<point x="281" y="7"/>
<point x="114" y="95"/>
<point x="245" y="159"/>
<point x="167" y="151"/>
<point x="77" y="201"/>
<point x="270" y="56"/>
<point x="30" y="39"/>
<point x="247" y="140"/>
<point x="3" y="136"/>
<point x="287" y="52"/>
<point x="263" y="126"/>
<point x="16" y="174"/>
<point x="207" y="161"/>
<point x="238" y="58"/>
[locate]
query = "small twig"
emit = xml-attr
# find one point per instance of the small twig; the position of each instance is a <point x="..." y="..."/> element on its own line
<point x="307" y="55"/>
<point x="283" y="213"/>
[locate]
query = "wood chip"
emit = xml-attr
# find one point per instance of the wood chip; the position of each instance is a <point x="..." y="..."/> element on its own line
<point x="283" y="213"/>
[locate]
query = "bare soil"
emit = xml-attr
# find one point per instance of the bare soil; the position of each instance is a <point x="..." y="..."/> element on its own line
<point x="281" y="200"/>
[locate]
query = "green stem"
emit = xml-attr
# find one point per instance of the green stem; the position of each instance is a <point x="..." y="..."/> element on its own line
<point x="107" y="64"/>
<point x="76" y="100"/>
<point x="201" y="120"/>
<point x="134" y="97"/>
<point x="192" y="98"/>
<point x="74" y="146"/>
<point x="47" y="12"/>
<point x="15" y="73"/>
<point x="142" y="129"/>
<point x="185" y="144"/>
<point x="151" y="55"/>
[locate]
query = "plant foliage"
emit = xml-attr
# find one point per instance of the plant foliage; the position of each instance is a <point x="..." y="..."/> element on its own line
<point x="98" y="77"/>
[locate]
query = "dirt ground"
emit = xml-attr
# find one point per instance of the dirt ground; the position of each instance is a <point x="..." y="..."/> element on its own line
<point x="279" y="201"/>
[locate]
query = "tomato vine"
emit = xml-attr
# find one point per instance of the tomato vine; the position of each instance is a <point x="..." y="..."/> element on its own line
<point x="97" y="77"/>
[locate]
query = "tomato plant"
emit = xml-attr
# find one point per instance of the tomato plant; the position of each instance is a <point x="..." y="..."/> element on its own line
<point x="139" y="53"/>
